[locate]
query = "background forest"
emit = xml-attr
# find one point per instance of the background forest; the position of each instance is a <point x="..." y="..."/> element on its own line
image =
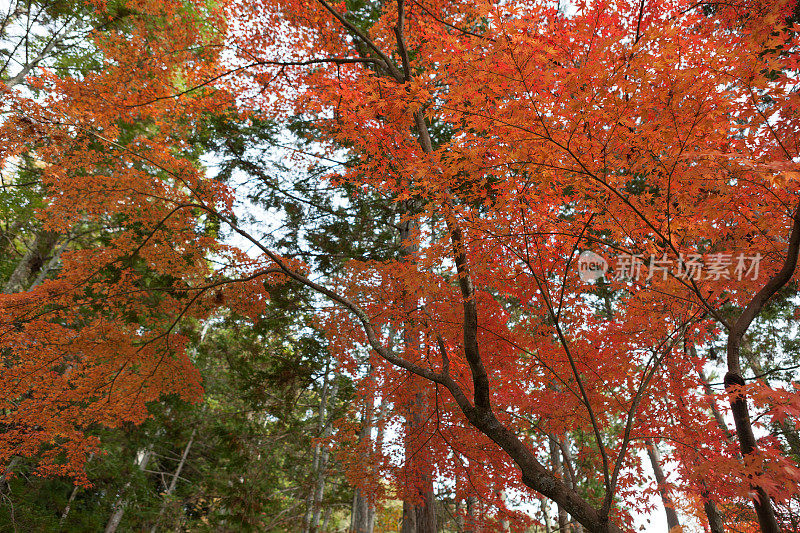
<point x="309" y="266"/>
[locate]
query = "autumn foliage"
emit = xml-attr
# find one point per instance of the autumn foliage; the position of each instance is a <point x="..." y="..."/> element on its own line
<point x="509" y="137"/>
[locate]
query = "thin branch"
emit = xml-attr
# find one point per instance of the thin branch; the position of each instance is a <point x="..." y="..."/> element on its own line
<point x="389" y="64"/>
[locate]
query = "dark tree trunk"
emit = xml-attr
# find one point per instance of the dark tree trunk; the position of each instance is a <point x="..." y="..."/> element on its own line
<point x="734" y="379"/>
<point x="715" y="523"/>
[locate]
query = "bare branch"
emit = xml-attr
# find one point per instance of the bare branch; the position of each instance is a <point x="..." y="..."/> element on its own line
<point x="390" y="66"/>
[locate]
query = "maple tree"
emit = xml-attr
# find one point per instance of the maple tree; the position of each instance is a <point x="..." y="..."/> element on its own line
<point x="508" y="137"/>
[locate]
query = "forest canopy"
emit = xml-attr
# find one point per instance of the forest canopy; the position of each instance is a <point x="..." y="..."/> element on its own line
<point x="408" y="265"/>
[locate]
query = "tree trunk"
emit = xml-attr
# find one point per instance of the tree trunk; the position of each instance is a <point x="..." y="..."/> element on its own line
<point x="32" y="262"/>
<point x="71" y="499"/>
<point x="713" y="406"/>
<point x="68" y="506"/>
<point x="379" y="443"/>
<point x="311" y="520"/>
<point x="326" y="518"/>
<point x="174" y="481"/>
<point x="715" y="523"/>
<point x="472" y="520"/>
<point x="569" y="467"/>
<point x="504" y="525"/>
<point x="419" y="511"/>
<point x="119" y="507"/>
<point x="747" y="445"/>
<point x="555" y="459"/>
<point x="661" y="480"/>
<point x="50" y="265"/>
<point x="360" y="519"/>
<point x="359" y="515"/>
<point x="734" y="379"/>
<point x="548" y="522"/>
<point x="12" y="464"/>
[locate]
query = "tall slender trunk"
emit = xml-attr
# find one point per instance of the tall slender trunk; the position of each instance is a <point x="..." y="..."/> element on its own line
<point x="555" y="459"/>
<point x="174" y="481"/>
<point x="663" y="490"/>
<point x="569" y="467"/>
<point x="122" y="502"/>
<point x="471" y="525"/>
<point x="713" y="406"/>
<point x="548" y="522"/>
<point x="715" y="523"/>
<point x="319" y="489"/>
<point x="378" y="443"/>
<point x="747" y="441"/>
<point x="12" y="464"/>
<point x="68" y="506"/>
<point x="360" y="513"/>
<point x="504" y="525"/>
<point x="311" y="520"/>
<point x="326" y="518"/>
<point x="459" y="519"/>
<point x="419" y="510"/>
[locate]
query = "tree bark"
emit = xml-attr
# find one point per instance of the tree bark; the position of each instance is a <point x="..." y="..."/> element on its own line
<point x="715" y="523"/>
<point x="419" y="511"/>
<point x="72" y="495"/>
<point x="661" y="480"/>
<point x="548" y="522"/>
<point x="472" y="520"/>
<point x="325" y="519"/>
<point x="555" y="459"/>
<point x="734" y="379"/>
<point x="504" y="525"/>
<point x="311" y="520"/>
<point x="32" y="262"/>
<point x="711" y="405"/>
<point x="12" y="464"/>
<point x="68" y="506"/>
<point x="360" y="516"/>
<point x="119" y="506"/>
<point x="322" y="474"/>
<point x="569" y="467"/>
<point x="378" y="442"/>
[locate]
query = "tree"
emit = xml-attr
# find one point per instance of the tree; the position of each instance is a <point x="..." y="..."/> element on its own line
<point x="514" y="136"/>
